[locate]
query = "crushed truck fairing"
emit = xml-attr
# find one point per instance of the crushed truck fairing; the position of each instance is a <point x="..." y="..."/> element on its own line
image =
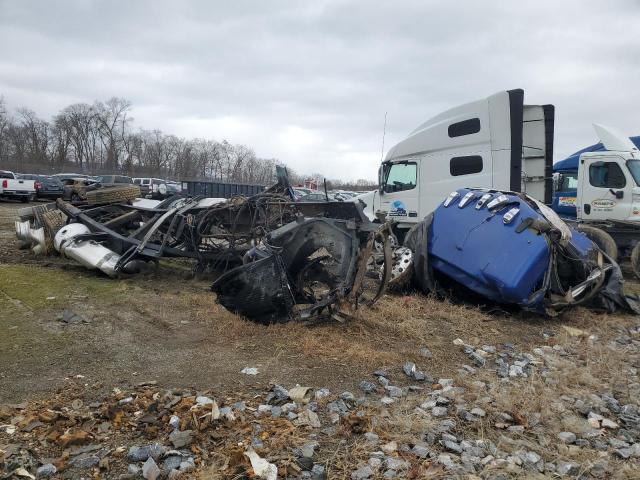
<point x="306" y="267"/>
<point x="506" y="248"/>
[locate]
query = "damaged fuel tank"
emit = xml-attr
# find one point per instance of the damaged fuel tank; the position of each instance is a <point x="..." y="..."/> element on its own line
<point x="509" y="249"/>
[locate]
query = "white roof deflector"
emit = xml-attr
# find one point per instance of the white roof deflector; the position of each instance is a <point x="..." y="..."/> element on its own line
<point x="613" y="139"/>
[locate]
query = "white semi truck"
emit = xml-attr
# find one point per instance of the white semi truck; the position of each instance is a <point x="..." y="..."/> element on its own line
<point x="495" y="143"/>
<point x="501" y="143"/>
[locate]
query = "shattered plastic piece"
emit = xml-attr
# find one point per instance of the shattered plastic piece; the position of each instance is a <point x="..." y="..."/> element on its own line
<point x="574" y="332"/>
<point x="22" y="472"/>
<point x="150" y="470"/>
<point x="308" y="418"/>
<point x="300" y="394"/>
<point x="9" y="429"/>
<point x="215" y="411"/>
<point x="262" y="468"/>
<point x="249" y="371"/>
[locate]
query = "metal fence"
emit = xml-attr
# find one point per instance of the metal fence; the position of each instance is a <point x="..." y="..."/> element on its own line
<point x="219" y="189"/>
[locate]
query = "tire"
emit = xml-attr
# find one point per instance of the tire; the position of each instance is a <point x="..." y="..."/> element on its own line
<point x="635" y="260"/>
<point x="75" y="198"/>
<point x="24" y="199"/>
<point x="602" y="239"/>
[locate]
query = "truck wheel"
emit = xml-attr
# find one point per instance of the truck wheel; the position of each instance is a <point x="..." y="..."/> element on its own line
<point x="602" y="239"/>
<point x="635" y="259"/>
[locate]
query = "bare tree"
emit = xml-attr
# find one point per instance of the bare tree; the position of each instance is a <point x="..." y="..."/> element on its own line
<point x="98" y="138"/>
<point x="84" y="133"/>
<point x="112" y="119"/>
<point x="4" y="124"/>
<point x="36" y="132"/>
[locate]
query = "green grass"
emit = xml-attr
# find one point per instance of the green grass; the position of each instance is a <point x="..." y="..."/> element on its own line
<point x="27" y="286"/>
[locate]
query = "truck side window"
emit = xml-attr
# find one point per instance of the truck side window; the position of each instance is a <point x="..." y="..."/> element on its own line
<point x="606" y="175"/>
<point x="466" y="127"/>
<point x="400" y="177"/>
<point x="568" y="182"/>
<point x="465" y="165"/>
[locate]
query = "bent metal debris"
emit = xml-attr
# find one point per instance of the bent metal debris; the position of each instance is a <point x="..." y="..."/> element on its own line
<point x="279" y="260"/>
<point x="321" y="258"/>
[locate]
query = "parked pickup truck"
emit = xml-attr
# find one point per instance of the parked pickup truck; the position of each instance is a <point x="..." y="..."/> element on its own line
<point x="13" y="187"/>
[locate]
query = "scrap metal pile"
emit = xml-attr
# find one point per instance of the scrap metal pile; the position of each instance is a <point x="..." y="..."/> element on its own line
<point x="282" y="259"/>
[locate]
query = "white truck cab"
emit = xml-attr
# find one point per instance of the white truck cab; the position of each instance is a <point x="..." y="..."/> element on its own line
<point x="494" y="143"/>
<point x="608" y="186"/>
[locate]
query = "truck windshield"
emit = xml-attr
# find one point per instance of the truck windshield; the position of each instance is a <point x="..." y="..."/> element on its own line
<point x="568" y="182"/>
<point x="634" y="168"/>
<point x="400" y="176"/>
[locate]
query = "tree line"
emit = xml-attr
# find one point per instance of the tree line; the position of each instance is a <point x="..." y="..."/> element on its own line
<point x="99" y="138"/>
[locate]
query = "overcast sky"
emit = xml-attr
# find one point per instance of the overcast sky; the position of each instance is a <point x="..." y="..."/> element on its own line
<point x="309" y="82"/>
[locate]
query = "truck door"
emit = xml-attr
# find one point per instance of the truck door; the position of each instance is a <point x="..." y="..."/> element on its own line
<point x="605" y="189"/>
<point x="400" y="191"/>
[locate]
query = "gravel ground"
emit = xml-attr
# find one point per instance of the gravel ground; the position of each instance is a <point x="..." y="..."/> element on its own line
<point x="92" y="367"/>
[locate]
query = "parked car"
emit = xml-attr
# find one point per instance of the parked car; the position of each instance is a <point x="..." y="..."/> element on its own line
<point x="152" y="187"/>
<point x="46" y="187"/>
<point x="110" y="180"/>
<point x="76" y="188"/>
<point x="13" y="187"/>
<point x="69" y="176"/>
<point x="314" y="197"/>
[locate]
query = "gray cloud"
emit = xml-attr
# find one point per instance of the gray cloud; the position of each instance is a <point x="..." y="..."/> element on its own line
<point x="310" y="82"/>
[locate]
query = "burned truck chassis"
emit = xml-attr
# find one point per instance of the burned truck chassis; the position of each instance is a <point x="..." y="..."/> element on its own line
<point x="324" y="258"/>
